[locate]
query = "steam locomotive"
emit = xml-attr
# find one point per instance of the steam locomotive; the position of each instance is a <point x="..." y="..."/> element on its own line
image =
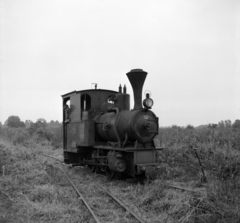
<point x="100" y="130"/>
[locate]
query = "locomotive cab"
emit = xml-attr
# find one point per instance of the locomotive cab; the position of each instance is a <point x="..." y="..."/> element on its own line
<point x="79" y="126"/>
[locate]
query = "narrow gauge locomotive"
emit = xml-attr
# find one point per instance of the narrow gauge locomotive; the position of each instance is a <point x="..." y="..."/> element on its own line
<point x="100" y="130"/>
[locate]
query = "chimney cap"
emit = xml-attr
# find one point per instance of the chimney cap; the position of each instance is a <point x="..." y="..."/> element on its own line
<point x="137" y="70"/>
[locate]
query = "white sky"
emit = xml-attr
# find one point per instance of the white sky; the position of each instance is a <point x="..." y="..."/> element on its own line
<point x="190" y="49"/>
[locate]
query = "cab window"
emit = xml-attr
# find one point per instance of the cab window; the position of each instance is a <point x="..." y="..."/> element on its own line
<point x="85" y="102"/>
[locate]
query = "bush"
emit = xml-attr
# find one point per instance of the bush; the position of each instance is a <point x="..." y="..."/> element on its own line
<point x="32" y="135"/>
<point x="15" y="135"/>
<point x="56" y="136"/>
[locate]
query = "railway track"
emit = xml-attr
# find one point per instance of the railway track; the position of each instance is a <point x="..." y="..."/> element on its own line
<point x="97" y="199"/>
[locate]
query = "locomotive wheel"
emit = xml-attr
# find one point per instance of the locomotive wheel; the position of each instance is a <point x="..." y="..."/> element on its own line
<point x="131" y="180"/>
<point x="142" y="179"/>
<point x="110" y="174"/>
<point x="147" y="177"/>
<point x="92" y="168"/>
<point x="150" y="173"/>
<point x="137" y="179"/>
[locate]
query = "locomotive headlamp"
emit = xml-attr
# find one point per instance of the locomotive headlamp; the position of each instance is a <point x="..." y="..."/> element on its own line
<point x="147" y="102"/>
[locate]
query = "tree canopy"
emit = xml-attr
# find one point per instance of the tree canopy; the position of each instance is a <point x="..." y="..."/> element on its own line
<point x="236" y="124"/>
<point x="14" y="122"/>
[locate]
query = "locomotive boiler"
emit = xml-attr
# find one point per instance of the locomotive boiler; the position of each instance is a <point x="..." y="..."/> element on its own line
<point x="100" y="130"/>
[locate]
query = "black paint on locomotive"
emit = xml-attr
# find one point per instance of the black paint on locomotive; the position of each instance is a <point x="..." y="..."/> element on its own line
<point x="100" y="130"/>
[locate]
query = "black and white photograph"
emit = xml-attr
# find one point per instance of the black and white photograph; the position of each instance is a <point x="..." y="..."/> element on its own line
<point x="116" y="111"/>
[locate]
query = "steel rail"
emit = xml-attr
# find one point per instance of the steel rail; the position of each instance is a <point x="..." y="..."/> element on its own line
<point x="60" y="161"/>
<point x="81" y="197"/>
<point x="75" y="188"/>
<point x="182" y="188"/>
<point x="120" y="203"/>
<point x="52" y="157"/>
<point x="111" y="195"/>
<point x="85" y="202"/>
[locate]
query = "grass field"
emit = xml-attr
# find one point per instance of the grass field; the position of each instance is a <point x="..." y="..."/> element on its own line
<point x="198" y="181"/>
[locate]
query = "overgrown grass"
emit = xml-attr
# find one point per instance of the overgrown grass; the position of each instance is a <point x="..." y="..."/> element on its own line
<point x="33" y="189"/>
<point x="208" y="158"/>
<point x="29" y="136"/>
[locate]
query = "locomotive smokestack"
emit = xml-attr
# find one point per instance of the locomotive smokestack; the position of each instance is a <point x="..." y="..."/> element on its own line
<point x="137" y="78"/>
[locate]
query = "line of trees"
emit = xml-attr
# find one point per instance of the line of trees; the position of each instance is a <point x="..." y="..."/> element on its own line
<point x="221" y="124"/>
<point x="18" y="131"/>
<point x="15" y="122"/>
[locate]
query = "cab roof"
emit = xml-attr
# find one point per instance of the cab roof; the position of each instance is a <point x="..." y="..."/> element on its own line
<point x="87" y="91"/>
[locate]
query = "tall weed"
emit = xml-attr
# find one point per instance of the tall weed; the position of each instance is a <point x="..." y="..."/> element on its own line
<point x="192" y="154"/>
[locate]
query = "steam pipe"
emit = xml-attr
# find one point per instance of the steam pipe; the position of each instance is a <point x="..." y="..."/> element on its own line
<point x="116" y="110"/>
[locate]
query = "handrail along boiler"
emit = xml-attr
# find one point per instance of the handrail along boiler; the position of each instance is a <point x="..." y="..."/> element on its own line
<point x="100" y="130"/>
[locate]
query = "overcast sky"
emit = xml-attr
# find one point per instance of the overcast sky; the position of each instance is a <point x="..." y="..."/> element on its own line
<point x="190" y="49"/>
